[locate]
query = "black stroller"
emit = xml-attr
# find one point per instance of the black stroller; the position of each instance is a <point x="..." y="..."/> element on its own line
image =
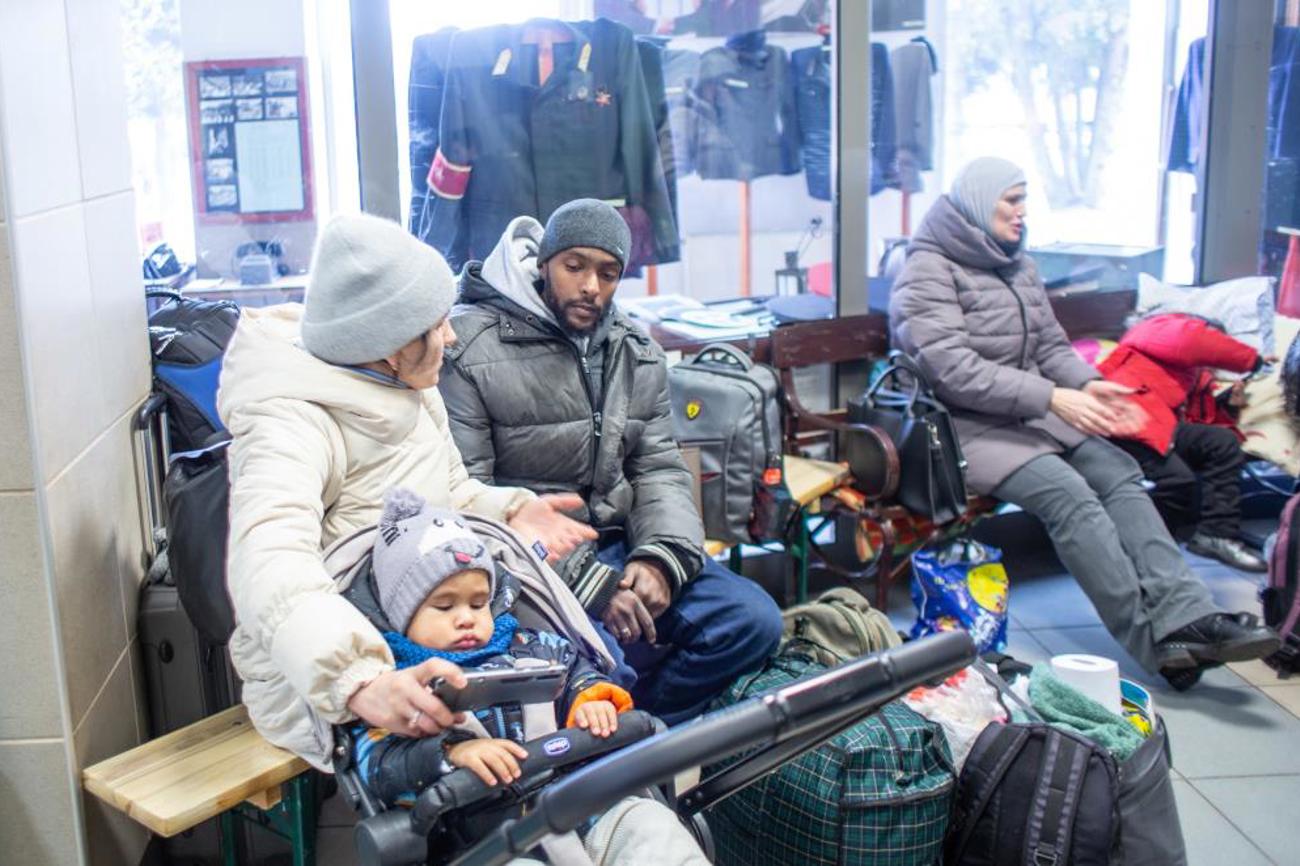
<point x="565" y="779"/>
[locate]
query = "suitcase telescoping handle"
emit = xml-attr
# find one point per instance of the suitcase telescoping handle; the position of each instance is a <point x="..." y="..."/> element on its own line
<point x="149" y="442"/>
<point x="798" y="711"/>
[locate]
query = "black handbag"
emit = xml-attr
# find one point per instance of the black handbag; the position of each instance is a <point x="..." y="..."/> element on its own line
<point x="932" y="479"/>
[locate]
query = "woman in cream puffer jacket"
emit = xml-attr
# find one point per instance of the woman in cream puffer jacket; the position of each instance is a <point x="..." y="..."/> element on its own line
<point x="318" y="436"/>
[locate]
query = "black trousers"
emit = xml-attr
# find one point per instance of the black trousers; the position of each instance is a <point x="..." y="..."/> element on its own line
<point x="1198" y="483"/>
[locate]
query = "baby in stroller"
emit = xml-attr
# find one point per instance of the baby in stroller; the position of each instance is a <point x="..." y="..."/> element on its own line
<point x="434" y="590"/>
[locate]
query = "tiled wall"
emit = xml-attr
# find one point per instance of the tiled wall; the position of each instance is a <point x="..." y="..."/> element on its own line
<point x="74" y="364"/>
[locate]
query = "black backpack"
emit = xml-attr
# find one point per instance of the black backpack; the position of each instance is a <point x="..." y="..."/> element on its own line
<point x="188" y="338"/>
<point x="1035" y="795"/>
<point x="197" y="496"/>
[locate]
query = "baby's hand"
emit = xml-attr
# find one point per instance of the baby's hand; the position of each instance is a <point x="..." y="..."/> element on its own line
<point x="598" y="717"/>
<point x="489" y="759"/>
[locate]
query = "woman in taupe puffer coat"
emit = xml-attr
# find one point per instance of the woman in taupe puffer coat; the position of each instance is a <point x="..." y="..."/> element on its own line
<point x="970" y="309"/>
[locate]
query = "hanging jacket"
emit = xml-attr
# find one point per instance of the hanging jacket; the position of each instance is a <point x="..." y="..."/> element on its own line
<point x="429" y="55"/>
<point x="508" y="146"/>
<point x="748" y="123"/>
<point x="314" y="448"/>
<point x="913" y="68"/>
<point x="1163" y="359"/>
<point x="553" y="413"/>
<point x="977" y="320"/>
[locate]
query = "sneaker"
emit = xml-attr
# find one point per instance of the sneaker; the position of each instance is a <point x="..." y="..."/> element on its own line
<point x="1229" y="551"/>
<point x="1219" y="637"/>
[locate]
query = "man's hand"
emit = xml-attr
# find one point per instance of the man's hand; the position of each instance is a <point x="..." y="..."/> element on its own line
<point x="598" y="717"/>
<point x="542" y="520"/>
<point x="626" y="618"/>
<point x="489" y="759"/>
<point x="1108" y="392"/>
<point x="650" y="584"/>
<point x="400" y="701"/>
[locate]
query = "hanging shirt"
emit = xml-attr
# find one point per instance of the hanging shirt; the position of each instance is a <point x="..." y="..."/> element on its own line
<point x="748" y="124"/>
<point x="511" y="146"/>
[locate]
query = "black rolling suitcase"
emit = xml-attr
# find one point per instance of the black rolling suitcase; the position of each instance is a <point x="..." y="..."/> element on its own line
<point x="187" y="676"/>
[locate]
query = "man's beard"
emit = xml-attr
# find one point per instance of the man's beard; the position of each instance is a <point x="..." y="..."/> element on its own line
<point x="560" y="311"/>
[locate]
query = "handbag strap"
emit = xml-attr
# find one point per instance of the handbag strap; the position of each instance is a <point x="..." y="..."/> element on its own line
<point x="994" y="679"/>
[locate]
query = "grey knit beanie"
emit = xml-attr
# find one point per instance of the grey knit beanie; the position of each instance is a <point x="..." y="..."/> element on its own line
<point x="586" y="222"/>
<point x="419" y="546"/>
<point x="978" y="187"/>
<point x="373" y="289"/>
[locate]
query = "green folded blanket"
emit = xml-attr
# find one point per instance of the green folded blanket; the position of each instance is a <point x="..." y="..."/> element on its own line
<point x="1062" y="705"/>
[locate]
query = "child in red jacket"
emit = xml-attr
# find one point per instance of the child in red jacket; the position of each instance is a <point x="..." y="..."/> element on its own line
<point x="1187" y="444"/>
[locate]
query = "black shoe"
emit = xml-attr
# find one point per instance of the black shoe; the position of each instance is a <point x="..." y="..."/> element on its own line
<point x="1184" y="678"/>
<point x="1229" y="551"/>
<point x="1219" y="637"/>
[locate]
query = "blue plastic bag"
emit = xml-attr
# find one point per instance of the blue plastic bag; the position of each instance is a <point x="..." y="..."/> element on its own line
<point x="962" y="585"/>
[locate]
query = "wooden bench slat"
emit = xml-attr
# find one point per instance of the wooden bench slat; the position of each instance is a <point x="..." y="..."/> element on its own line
<point x="184" y="778"/>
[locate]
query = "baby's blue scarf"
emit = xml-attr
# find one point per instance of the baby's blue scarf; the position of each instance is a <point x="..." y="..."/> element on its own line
<point x="408" y="653"/>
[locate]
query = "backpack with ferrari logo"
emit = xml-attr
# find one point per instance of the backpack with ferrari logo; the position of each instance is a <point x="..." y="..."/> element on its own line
<point x="729" y="408"/>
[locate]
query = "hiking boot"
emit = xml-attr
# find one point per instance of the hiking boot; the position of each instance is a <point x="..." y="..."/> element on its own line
<point x="1229" y="551"/>
<point x="1219" y="637"/>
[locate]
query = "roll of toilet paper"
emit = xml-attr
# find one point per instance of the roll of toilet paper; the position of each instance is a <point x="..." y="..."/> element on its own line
<point x="1095" y="676"/>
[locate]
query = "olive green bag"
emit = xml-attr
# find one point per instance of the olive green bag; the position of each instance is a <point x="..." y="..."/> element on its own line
<point x="837" y="626"/>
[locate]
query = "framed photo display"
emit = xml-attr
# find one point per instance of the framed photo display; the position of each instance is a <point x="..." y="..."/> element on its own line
<point x="250" y="153"/>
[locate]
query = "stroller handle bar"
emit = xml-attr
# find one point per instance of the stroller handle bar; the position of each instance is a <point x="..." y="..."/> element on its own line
<point x="400" y="836"/>
<point x="799" y="710"/>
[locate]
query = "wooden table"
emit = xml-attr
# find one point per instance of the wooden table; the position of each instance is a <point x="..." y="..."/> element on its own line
<point x="205" y="770"/>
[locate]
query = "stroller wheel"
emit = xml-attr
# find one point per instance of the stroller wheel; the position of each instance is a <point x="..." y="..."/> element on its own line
<point x="703" y="835"/>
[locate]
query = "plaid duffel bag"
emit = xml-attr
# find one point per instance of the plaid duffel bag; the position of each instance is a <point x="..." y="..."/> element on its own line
<point x="878" y="794"/>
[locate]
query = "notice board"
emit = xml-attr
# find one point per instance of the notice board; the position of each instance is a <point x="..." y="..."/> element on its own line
<point x="250" y="149"/>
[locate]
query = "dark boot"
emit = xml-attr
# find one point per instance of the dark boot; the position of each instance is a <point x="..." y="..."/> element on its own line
<point x="1220" y="637"/>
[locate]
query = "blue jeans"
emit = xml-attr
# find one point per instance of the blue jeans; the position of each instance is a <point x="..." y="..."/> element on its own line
<point x="720" y="626"/>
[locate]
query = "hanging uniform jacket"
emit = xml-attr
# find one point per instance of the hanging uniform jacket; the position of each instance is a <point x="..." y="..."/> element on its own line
<point x="681" y="78"/>
<point x="719" y="18"/>
<point x="509" y="146"/>
<point x="644" y="251"/>
<point x="913" y="68"/>
<point x="429" y="56"/>
<point x="1163" y="359"/>
<point x="812" y="76"/>
<point x="748" y="123"/>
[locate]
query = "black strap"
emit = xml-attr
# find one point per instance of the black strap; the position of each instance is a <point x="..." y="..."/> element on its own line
<point x="1006" y="743"/>
<point x="1056" y="795"/>
<point x="992" y="678"/>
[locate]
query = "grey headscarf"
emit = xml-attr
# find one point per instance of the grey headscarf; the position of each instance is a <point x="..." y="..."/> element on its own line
<point x="978" y="187"/>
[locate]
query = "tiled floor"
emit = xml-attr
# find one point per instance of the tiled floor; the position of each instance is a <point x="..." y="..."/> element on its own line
<point x="1235" y="738"/>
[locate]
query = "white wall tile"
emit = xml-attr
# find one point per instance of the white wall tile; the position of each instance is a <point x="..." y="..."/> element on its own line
<point x="30" y="703"/>
<point x="36" y="823"/>
<point x="110" y="729"/>
<point x="82" y="511"/>
<point x="38" y="122"/>
<point x="59" y="334"/>
<point x="121" y="328"/>
<point x="99" y="92"/>
<point x="16" y="459"/>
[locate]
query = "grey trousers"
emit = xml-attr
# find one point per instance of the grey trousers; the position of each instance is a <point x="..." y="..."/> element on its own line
<point x="1110" y="537"/>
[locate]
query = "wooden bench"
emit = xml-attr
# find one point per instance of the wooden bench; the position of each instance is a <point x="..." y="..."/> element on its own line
<point x="217" y="767"/>
<point x="889" y="531"/>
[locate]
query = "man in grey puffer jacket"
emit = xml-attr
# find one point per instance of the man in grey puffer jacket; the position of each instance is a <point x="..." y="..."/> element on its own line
<point x="550" y="386"/>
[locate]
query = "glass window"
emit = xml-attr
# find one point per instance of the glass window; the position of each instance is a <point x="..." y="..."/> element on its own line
<point x="1079" y="93"/>
<point x="706" y="123"/>
<point x="226" y="132"/>
<point x="1279" y="245"/>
